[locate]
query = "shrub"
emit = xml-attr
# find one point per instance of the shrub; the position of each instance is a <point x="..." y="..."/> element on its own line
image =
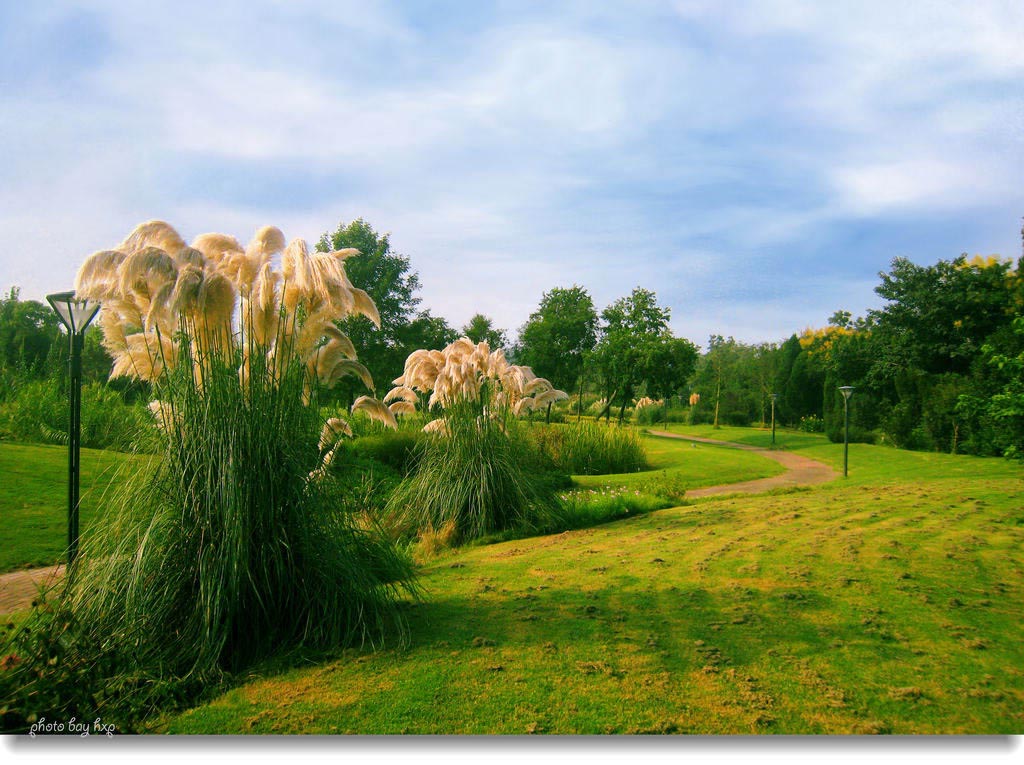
<point x="474" y="481"/>
<point x="476" y="474"/>
<point x="37" y="411"/>
<point x="858" y="435"/>
<point x="586" y="508"/>
<point x="650" y="414"/>
<point x="588" y="448"/>
<point x="396" y="449"/>
<point x="590" y="507"/>
<point x="811" y="424"/>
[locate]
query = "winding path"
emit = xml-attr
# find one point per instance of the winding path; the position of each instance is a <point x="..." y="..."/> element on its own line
<point x="19" y="588"/>
<point x="800" y="470"/>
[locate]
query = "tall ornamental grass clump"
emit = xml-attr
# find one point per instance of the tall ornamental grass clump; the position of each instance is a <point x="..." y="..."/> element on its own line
<point x="236" y="546"/>
<point x="476" y="473"/>
<point x="587" y="448"/>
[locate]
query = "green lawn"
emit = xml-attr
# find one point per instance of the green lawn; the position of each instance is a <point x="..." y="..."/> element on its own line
<point x="33" y="496"/>
<point x="34" y="500"/>
<point x="792" y="440"/>
<point x="886" y="603"/>
<point x="868" y="465"/>
<point x="692" y="465"/>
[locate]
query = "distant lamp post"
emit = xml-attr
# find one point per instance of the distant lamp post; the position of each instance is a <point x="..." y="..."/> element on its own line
<point x="847" y="391"/>
<point x="75" y="315"/>
<point x="775" y="397"/>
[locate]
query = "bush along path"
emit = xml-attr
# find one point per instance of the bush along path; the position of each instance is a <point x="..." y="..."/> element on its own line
<point x="800" y="470"/>
<point x="19" y="588"/>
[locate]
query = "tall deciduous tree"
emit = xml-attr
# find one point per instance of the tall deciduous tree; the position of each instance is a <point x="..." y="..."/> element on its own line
<point x="389" y="279"/>
<point x="481" y="329"/>
<point x="938" y="317"/>
<point x="637" y="351"/>
<point x="27" y="330"/>
<point x="556" y="337"/>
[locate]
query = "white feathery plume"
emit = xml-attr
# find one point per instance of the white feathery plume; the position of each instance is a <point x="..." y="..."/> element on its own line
<point x="264" y="307"/>
<point x="143" y="273"/>
<point x="364" y="304"/>
<point x="438" y="426"/>
<point x="185" y="297"/>
<point x="188" y="256"/>
<point x="331" y="332"/>
<point x="401" y="393"/>
<point x="376" y="411"/>
<point x="333" y="430"/>
<point x="98" y="279"/>
<point x="145" y="357"/>
<point x="153" y="233"/>
<point x="215" y="246"/>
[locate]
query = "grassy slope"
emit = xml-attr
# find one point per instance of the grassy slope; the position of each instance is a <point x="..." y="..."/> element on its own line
<point x="889" y="602"/>
<point x="34" y="500"/>
<point x="693" y="465"/>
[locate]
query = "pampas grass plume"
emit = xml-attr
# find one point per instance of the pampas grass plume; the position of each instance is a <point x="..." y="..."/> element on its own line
<point x="364" y="304"/>
<point x="97" y="279"/>
<point x="153" y="233"/>
<point x="266" y="242"/>
<point x="215" y="246"/>
<point x="144" y="272"/>
<point x="402" y="407"/>
<point x="376" y="411"/>
<point x="333" y="430"/>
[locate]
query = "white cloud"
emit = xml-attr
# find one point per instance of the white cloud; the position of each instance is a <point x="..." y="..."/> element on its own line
<point x="903" y="183"/>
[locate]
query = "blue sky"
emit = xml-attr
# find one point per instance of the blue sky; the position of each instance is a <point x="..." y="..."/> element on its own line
<point x="755" y="164"/>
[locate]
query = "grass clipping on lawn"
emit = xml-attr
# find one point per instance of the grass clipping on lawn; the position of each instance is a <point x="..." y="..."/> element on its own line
<point x="233" y="548"/>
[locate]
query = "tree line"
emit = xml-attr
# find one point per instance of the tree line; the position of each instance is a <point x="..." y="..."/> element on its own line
<point x="940" y="366"/>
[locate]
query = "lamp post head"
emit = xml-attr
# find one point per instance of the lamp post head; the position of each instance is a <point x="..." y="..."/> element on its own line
<point x="775" y="397"/>
<point x="75" y="313"/>
<point x="846" y="390"/>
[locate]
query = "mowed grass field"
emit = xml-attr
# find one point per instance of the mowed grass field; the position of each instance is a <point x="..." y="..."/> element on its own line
<point x="889" y="602"/>
<point x="33" y="493"/>
<point x="690" y="465"/>
<point x="34" y="499"/>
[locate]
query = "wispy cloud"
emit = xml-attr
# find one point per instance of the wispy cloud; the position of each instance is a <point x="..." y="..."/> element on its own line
<point x="755" y="164"/>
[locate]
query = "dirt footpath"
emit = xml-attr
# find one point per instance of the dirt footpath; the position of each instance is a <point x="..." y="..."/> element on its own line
<point x="800" y="470"/>
<point x="19" y="588"/>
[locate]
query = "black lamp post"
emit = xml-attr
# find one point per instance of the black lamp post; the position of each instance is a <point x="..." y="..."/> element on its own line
<point x="75" y="315"/>
<point x="847" y="391"/>
<point x="775" y="397"/>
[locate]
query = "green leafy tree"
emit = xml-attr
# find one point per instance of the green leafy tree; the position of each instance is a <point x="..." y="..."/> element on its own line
<point x="938" y="317"/>
<point x="725" y="381"/>
<point x="555" y="339"/>
<point x="670" y="363"/>
<point x="637" y="352"/>
<point x="1001" y="414"/>
<point x="481" y="329"/>
<point x="428" y="331"/>
<point x="389" y="279"/>
<point x="28" y="330"/>
<point x="766" y="358"/>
